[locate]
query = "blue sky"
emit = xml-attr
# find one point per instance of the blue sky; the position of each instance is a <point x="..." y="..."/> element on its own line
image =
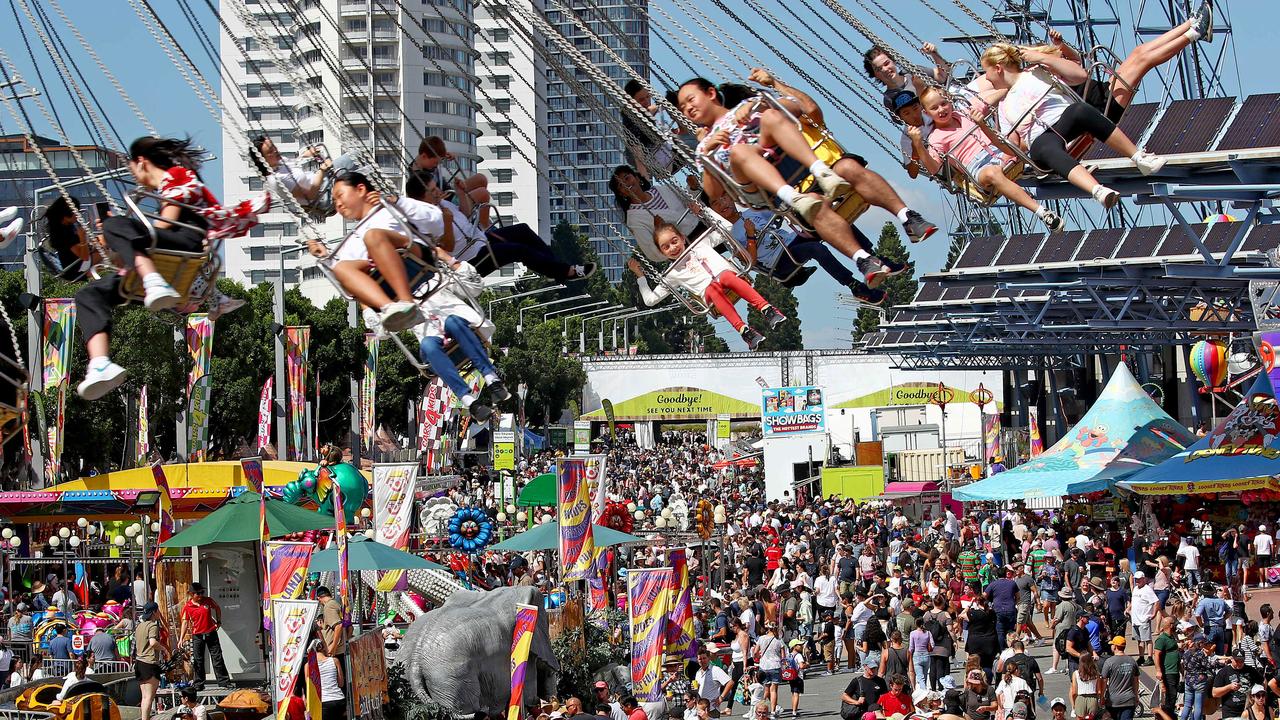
<point x="171" y="106"/>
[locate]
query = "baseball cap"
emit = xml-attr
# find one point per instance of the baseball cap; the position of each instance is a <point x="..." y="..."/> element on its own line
<point x="1056" y="702"/>
<point x="601" y="685"/>
<point x="1238" y="654"/>
<point x="1139" y="575"/>
<point x="197" y="588"/>
<point x="900" y="100"/>
<point x="149" y="608"/>
<point x="1257" y="690"/>
<point x="323" y="591"/>
<point x="1118" y="640"/>
<point x="976" y="676"/>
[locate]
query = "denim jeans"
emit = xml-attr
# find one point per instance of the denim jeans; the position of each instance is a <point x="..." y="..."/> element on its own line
<point x="1219" y="637"/>
<point x="1005" y="624"/>
<point x="1121" y="713"/>
<point x="1192" y="704"/>
<point x="432" y="350"/>
<point x="921" y="663"/>
<point x="1192" y="578"/>
<point x="1232" y="568"/>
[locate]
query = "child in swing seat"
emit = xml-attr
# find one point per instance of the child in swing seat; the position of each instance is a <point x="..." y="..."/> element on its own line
<point x="705" y="273"/>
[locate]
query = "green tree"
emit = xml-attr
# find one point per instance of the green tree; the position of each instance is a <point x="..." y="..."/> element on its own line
<point x="570" y="245"/>
<point x="958" y="243"/>
<point x="540" y="361"/>
<point x="899" y="290"/>
<point x="786" y="336"/>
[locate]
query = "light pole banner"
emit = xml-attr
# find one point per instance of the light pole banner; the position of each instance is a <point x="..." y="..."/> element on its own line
<point x="991" y="435"/>
<point x="287" y="564"/>
<point x="290" y="631"/>
<point x="597" y="483"/>
<point x="297" y="341"/>
<point x="264" y="413"/>
<point x="577" y="544"/>
<point x="59" y="326"/>
<point x="393" y="488"/>
<point x="521" y="641"/>
<point x="199" y="384"/>
<point x="680" y="639"/>
<point x="142" y="447"/>
<point x="164" y="508"/>
<point x="368" y="386"/>
<point x="1037" y="442"/>
<point x="340" y="544"/>
<point x="648" y="602"/>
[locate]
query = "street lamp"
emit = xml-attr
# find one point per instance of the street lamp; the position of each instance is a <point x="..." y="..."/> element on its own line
<point x="146" y="500"/>
<point x="562" y="311"/>
<point x="518" y="295"/>
<point x="549" y="303"/>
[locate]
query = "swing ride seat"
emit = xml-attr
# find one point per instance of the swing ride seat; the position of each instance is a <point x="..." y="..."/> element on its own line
<point x="179" y="268"/>
<point x="717" y="235"/>
<point x="419" y="270"/>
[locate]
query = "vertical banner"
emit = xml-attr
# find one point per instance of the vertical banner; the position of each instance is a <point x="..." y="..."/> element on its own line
<point x="264" y="413"/>
<point x="287" y="567"/>
<point x="680" y="639"/>
<point x="1037" y="442"/>
<point x="252" y="470"/>
<point x="597" y="583"/>
<point x="297" y="341"/>
<point x="315" y="421"/>
<point x="607" y="406"/>
<point x="368" y="386"/>
<point x="315" y="706"/>
<point x="164" y="509"/>
<point x="521" y="641"/>
<point x="597" y="483"/>
<point x="991" y="435"/>
<point x="82" y="585"/>
<point x="504" y="450"/>
<point x="59" y="326"/>
<point x="340" y="542"/>
<point x="291" y="623"/>
<point x="648" y="600"/>
<point x="393" y="489"/>
<point x="199" y="383"/>
<point x="142" y="444"/>
<point x="577" y="543"/>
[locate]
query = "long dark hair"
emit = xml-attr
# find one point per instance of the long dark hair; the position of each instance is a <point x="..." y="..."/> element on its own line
<point x="624" y="203"/>
<point x="165" y="153"/>
<point x="729" y="94"/>
<point x="257" y="157"/>
<point x="55" y="216"/>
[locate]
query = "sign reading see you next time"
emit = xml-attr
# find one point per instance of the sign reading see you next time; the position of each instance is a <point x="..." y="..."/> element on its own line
<point x="792" y="410"/>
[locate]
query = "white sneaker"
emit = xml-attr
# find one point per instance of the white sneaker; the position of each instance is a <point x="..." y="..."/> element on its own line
<point x="160" y="297"/>
<point x="399" y="316"/>
<point x="100" y="381"/>
<point x="833" y="186"/>
<point x="8" y="214"/>
<point x="807" y="206"/>
<point x="1106" y="196"/>
<point x="225" y="305"/>
<point x="1147" y="163"/>
<point x="10" y="232"/>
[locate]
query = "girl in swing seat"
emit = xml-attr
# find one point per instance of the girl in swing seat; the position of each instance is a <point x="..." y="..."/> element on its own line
<point x="705" y="273"/>
<point x="1043" y="121"/>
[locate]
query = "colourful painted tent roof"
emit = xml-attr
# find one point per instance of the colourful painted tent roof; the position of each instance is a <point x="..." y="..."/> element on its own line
<point x="1124" y="432"/>
<point x="1241" y="453"/>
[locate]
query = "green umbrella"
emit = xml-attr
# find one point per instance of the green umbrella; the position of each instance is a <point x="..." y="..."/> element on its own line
<point x="547" y="537"/>
<point x="540" y="491"/>
<point x="366" y="554"/>
<point x="237" y="521"/>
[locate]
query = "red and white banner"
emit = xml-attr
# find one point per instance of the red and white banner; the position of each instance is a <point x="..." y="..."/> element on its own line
<point x="264" y="413"/>
<point x="393" y="486"/>
<point x="290" y="632"/>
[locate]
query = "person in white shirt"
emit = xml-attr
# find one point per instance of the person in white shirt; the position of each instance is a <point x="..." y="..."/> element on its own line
<point x="1143" y="606"/>
<point x="139" y="591"/>
<point x="377" y="241"/>
<point x="825" y="589"/>
<point x="1262" y="551"/>
<point x="79" y="674"/>
<point x="711" y="681"/>
<point x="311" y="190"/>
<point x="1191" y="567"/>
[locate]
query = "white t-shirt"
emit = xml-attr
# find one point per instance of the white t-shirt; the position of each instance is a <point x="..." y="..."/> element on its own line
<point x="1142" y="606"/>
<point x="1262" y="543"/>
<point x="424" y="217"/>
<point x="748" y="618"/>
<point x="1031" y="106"/>
<point x="825" y="587"/>
<point x="291" y="178"/>
<point x="468" y="240"/>
<point x="1192" y="554"/>
<point x="140" y="592"/>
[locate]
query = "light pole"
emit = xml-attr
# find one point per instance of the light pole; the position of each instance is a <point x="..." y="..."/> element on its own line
<point x="605" y="317"/>
<point x="593" y="315"/>
<point x="549" y="303"/>
<point x="626" y="318"/>
<point x="562" y="311"/>
<point x="518" y="295"/>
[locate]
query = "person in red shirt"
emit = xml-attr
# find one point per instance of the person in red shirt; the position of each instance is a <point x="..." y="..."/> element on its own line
<point x="633" y="709"/>
<point x="772" y="555"/>
<point x="201" y="617"/>
<point x="897" y="700"/>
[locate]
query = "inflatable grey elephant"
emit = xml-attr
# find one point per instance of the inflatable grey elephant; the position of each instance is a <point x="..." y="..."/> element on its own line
<point x="459" y="655"/>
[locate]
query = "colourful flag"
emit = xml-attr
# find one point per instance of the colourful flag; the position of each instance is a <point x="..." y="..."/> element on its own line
<point x="597" y="482"/>
<point x="287" y="567"/>
<point x="597" y="583"/>
<point x="82" y="585"/>
<point x="521" y="641"/>
<point x="297" y="340"/>
<point x="252" y="469"/>
<point x="199" y="385"/>
<point x="164" y="509"/>
<point x="315" y="707"/>
<point x="315" y="424"/>
<point x="1037" y="443"/>
<point x="393" y="488"/>
<point x="59" y="326"/>
<point x="142" y="446"/>
<point x="680" y="639"/>
<point x="369" y="386"/>
<point x="991" y="434"/>
<point x="577" y="543"/>
<point x="291" y="629"/>
<point x="340" y="542"/>
<point x="648" y="602"/>
<point x="264" y="414"/>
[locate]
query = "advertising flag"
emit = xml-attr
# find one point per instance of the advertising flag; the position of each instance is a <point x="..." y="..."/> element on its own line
<point x="199" y="384"/>
<point x="393" y="490"/>
<point x="680" y="638"/>
<point x="291" y="629"/>
<point x="648" y="603"/>
<point x="521" y="641"/>
<point x="59" y="326"/>
<point x="315" y="706"/>
<point x="82" y="585"/>
<point x="287" y="567"/>
<point x="142" y="446"/>
<point x="297" y="342"/>
<point x="577" y="544"/>
<point x="991" y="435"/>
<point x="596" y="584"/>
<point x="368" y="386"/>
<point x="264" y="413"/>
<point x="1037" y="442"/>
<point x="597" y="484"/>
<point x="340" y="542"/>
<point x="164" y="509"/>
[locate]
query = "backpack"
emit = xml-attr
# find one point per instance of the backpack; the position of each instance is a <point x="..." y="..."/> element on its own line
<point x="941" y="636"/>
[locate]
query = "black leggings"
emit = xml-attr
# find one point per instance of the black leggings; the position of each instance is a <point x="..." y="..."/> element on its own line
<point x="126" y="237"/>
<point x="519" y="243"/>
<point x="1050" y="149"/>
<point x="939" y="667"/>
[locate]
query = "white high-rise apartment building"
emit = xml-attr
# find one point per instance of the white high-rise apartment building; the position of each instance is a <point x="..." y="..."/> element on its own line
<point x="391" y="74"/>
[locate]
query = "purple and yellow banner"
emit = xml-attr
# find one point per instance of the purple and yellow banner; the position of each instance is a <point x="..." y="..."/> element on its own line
<point x="596" y="584"/>
<point x="648" y="602"/>
<point x="991" y="435"/>
<point x="164" y="509"/>
<point x="291" y="629"/>
<point x="577" y="543"/>
<point x="297" y="342"/>
<point x="252" y="469"/>
<point x="369" y="386"/>
<point x="142" y="445"/>
<point x="264" y="413"/>
<point x="340" y="542"/>
<point x="315" y="707"/>
<point x="287" y="567"/>
<point x="199" y="384"/>
<point x="393" y="486"/>
<point x="680" y="639"/>
<point x="521" y="641"/>
<point x="59" y="326"/>
<point x="1037" y="442"/>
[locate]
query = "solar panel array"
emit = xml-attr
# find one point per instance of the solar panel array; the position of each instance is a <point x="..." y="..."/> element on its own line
<point x="1189" y="126"/>
<point x="1256" y="124"/>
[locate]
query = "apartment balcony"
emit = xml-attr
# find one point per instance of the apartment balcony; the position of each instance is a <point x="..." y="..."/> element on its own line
<point x="353" y="7"/>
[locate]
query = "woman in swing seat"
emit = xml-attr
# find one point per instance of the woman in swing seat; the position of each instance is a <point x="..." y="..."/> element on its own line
<point x="313" y="191"/>
<point x="1037" y="118"/>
